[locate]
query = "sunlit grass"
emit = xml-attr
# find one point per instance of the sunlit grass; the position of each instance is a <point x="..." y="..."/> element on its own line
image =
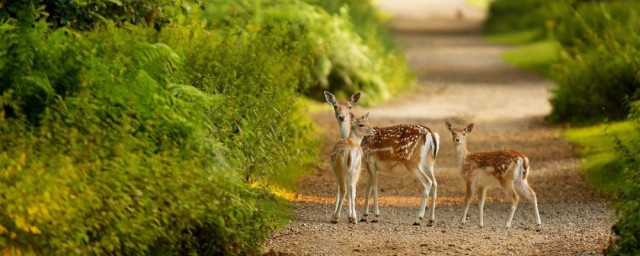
<point x="518" y="37"/>
<point x="484" y="4"/>
<point x="597" y="149"/>
<point x="537" y="57"/>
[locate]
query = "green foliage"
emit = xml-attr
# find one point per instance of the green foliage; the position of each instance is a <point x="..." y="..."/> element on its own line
<point x="598" y="69"/>
<point x="611" y="153"/>
<point x="122" y="160"/>
<point x="84" y="14"/>
<point x="534" y="56"/>
<point x="597" y="148"/>
<point x="339" y="57"/>
<point x="628" y="226"/>
<point x="536" y="16"/>
<point x="369" y="24"/>
<point x="127" y="140"/>
<point x="163" y="127"/>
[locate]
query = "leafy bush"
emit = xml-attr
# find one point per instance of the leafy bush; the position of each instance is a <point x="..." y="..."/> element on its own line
<point x="140" y="127"/>
<point x="112" y="139"/>
<point x="369" y="24"/>
<point x="339" y="58"/>
<point x="599" y="70"/>
<point x="84" y="14"/>
<point x="628" y="226"/>
<point x="508" y="16"/>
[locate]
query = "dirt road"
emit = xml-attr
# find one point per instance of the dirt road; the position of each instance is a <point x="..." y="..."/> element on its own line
<point x="462" y="79"/>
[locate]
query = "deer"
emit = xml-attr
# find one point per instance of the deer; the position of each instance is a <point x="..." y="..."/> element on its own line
<point x="508" y="169"/>
<point x="346" y="161"/>
<point x="411" y="145"/>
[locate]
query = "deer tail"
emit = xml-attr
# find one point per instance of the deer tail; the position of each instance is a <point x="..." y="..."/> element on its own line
<point x="525" y="167"/>
<point x="435" y="143"/>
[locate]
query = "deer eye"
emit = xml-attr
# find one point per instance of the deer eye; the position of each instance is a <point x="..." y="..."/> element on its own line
<point x="335" y="107"/>
<point x="349" y="107"/>
<point x="361" y="125"/>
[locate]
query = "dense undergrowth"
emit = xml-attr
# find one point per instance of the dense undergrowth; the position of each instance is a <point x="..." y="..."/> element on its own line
<point x="155" y="127"/>
<point x="598" y="76"/>
<point x="597" y="69"/>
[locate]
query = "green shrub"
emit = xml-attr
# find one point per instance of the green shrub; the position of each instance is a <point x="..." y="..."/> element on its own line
<point x="140" y="127"/>
<point x="599" y="70"/>
<point x="85" y="14"/>
<point x="124" y="153"/>
<point x="339" y="58"/>
<point x="627" y="228"/>
<point x="370" y="25"/>
<point x="508" y="16"/>
<point x="124" y="161"/>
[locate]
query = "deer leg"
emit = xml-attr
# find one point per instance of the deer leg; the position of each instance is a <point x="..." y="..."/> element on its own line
<point x="374" y="183"/>
<point x="341" y="193"/>
<point x="534" y="200"/>
<point x="426" y="182"/>
<point x="434" y="195"/>
<point x="370" y="180"/>
<point x="527" y="192"/>
<point x="353" y="180"/>
<point x="467" y="200"/>
<point x="483" y="195"/>
<point x="376" y="207"/>
<point x="514" y="203"/>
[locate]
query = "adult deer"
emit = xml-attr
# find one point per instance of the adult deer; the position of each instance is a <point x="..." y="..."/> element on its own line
<point x="412" y="145"/>
<point x="508" y="169"/>
<point x="346" y="161"/>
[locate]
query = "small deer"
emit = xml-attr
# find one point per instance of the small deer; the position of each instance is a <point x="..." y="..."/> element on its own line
<point x="481" y="170"/>
<point x="342" y="110"/>
<point x="412" y="145"/>
<point x="346" y="161"/>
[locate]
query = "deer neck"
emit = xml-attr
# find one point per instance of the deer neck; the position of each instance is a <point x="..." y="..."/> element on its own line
<point x="356" y="137"/>
<point x="345" y="129"/>
<point x="462" y="152"/>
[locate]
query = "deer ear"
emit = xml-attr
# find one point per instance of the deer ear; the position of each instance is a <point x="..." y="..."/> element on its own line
<point x="366" y="116"/>
<point x="448" y="126"/>
<point x="330" y="98"/>
<point x="355" y="98"/>
<point x="469" y="127"/>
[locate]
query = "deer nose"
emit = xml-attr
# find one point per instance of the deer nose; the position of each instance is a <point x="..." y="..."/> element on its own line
<point x="457" y="139"/>
<point x="341" y="117"/>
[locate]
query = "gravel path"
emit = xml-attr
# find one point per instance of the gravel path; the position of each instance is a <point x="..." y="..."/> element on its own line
<point x="462" y="79"/>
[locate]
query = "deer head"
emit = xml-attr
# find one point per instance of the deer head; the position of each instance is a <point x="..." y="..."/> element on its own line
<point x="459" y="134"/>
<point x="341" y="109"/>
<point x="360" y="127"/>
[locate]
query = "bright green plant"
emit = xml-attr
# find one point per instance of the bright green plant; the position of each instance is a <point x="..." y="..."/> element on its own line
<point x="627" y="228"/>
<point x="599" y="70"/>
<point x="338" y="58"/>
<point x="125" y="156"/>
